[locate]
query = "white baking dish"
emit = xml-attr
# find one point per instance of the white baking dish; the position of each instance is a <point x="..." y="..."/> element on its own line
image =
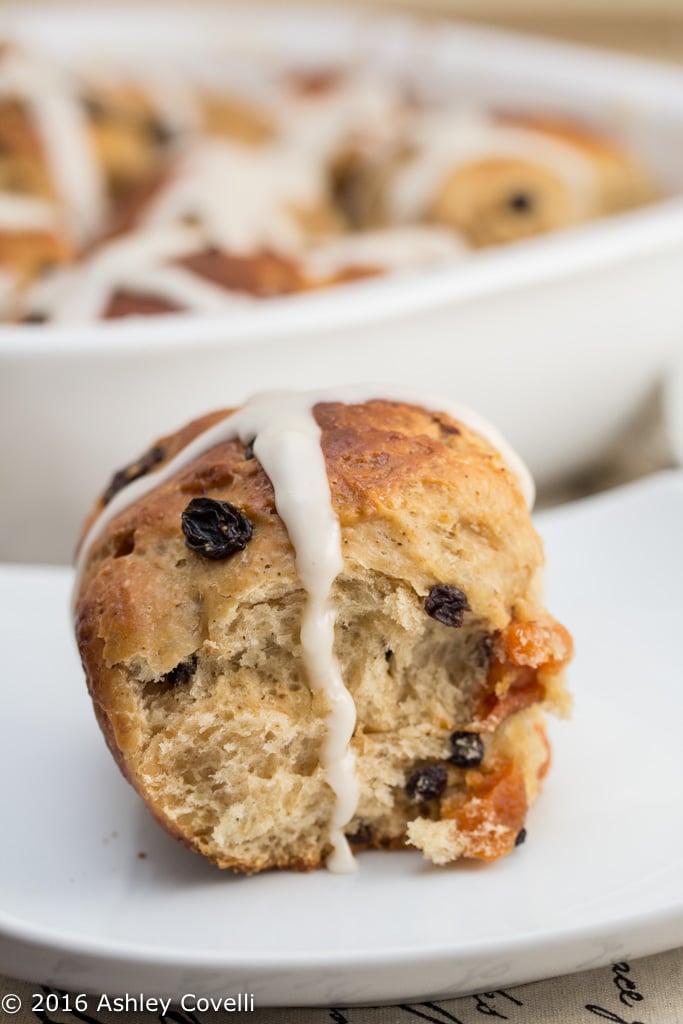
<point x="557" y="340"/>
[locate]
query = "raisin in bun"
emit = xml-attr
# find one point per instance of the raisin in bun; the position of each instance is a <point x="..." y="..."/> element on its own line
<point x="320" y="619"/>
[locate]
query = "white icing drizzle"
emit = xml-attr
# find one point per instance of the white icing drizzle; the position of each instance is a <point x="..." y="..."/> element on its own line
<point x="287" y="444"/>
<point x="243" y="197"/>
<point x="61" y="123"/>
<point x="400" y="248"/>
<point x="180" y="287"/>
<point x="26" y="213"/>
<point x="445" y="141"/>
<point x="239" y="199"/>
<point x="356" y="109"/>
<point x="140" y="263"/>
<point x="286" y="441"/>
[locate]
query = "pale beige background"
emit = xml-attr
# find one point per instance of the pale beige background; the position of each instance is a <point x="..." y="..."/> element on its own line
<point x="648" y="27"/>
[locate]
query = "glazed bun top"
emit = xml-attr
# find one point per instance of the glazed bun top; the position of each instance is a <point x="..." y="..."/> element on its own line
<point x="416" y="441"/>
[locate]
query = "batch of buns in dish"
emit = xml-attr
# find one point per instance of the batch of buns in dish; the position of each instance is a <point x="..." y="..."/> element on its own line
<point x="124" y="193"/>
<point x="314" y="625"/>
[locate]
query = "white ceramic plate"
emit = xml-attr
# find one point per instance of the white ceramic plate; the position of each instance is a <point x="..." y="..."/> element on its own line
<point x="556" y="340"/>
<point x="600" y="876"/>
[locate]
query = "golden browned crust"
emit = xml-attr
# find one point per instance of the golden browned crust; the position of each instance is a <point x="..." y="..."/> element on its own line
<point x="22" y="161"/>
<point x="236" y="120"/>
<point x="28" y="254"/>
<point x="261" y="275"/>
<point x="23" y="171"/>
<point x="420" y="499"/>
<point x="623" y="181"/>
<point x="127" y="139"/>
<point x="380" y="457"/>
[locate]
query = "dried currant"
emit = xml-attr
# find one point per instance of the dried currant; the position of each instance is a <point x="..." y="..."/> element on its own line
<point x="361" y="837"/>
<point x="215" y="529"/>
<point x="182" y="673"/>
<point x="427" y="783"/>
<point x="520" y="202"/>
<point x="447" y="604"/>
<point x="94" y="108"/>
<point x="521" y="836"/>
<point x="134" y="471"/>
<point x="467" y="749"/>
<point x="160" y="133"/>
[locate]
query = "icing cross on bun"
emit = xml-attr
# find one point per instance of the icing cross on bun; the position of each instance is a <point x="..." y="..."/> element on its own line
<point x="223" y="224"/>
<point x="314" y="625"/>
